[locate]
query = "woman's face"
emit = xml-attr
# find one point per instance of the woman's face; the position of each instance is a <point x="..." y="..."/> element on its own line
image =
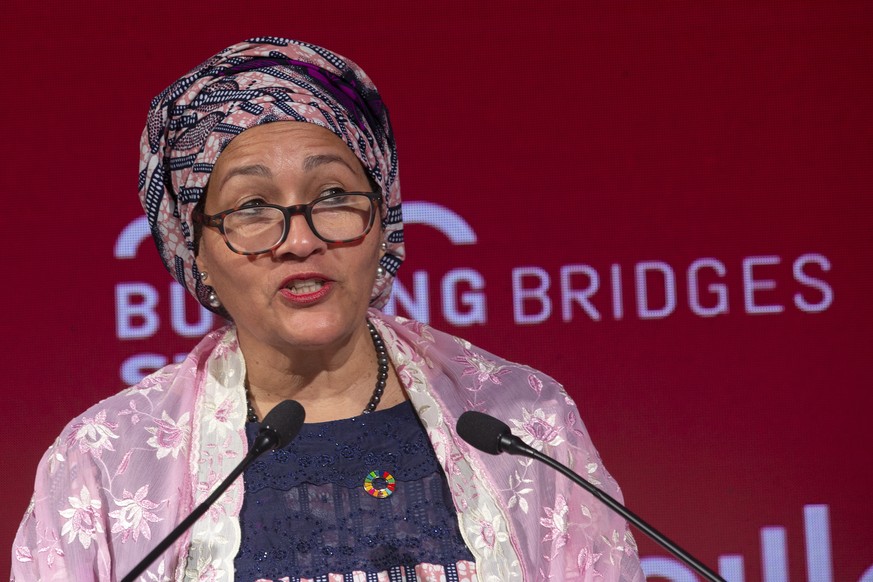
<point x="306" y="293"/>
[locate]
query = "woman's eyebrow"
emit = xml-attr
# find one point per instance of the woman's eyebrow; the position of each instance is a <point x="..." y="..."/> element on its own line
<point x="248" y="170"/>
<point x="259" y="170"/>
<point x="312" y="162"/>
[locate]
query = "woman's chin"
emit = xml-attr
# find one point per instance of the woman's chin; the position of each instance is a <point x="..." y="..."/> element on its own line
<point x="314" y="331"/>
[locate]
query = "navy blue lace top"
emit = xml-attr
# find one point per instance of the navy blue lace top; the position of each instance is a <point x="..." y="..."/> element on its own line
<point x="324" y="504"/>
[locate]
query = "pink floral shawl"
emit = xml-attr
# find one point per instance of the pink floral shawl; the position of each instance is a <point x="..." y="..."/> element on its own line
<point x="125" y="472"/>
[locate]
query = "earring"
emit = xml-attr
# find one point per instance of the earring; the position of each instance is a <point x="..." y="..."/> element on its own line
<point x="203" y="276"/>
<point x="212" y="299"/>
<point x="380" y="272"/>
<point x="384" y="246"/>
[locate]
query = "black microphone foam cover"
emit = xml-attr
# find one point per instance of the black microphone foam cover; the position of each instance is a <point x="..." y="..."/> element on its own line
<point x="285" y="420"/>
<point x="482" y="431"/>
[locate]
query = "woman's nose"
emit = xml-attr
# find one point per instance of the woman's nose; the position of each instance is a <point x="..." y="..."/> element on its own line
<point x="301" y="241"/>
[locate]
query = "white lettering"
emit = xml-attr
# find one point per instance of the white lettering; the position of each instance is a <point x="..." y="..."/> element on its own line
<point x="416" y="305"/>
<point x="135" y="301"/>
<point x="731" y="568"/>
<point x="568" y="295"/>
<point x="538" y="293"/>
<point x="668" y="568"/>
<point x="773" y="554"/>
<point x="717" y="289"/>
<point x="474" y="300"/>
<point x="137" y="367"/>
<point x="801" y="277"/>
<point x="178" y="315"/>
<point x="750" y="285"/>
<point x="643" y="308"/>
<point x="816" y="529"/>
<point x="617" y="304"/>
<point x="464" y="301"/>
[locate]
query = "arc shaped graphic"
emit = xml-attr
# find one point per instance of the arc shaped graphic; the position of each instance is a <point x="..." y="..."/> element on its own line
<point x="448" y="222"/>
<point x="127" y="243"/>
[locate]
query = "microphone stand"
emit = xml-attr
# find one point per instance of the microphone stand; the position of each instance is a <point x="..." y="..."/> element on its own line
<point x="279" y="428"/>
<point x="194" y="516"/>
<point x="516" y="446"/>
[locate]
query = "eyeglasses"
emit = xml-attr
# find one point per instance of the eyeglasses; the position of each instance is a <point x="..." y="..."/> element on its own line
<point x="342" y="218"/>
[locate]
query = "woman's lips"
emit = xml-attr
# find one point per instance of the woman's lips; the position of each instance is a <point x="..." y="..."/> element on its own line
<point x="306" y="289"/>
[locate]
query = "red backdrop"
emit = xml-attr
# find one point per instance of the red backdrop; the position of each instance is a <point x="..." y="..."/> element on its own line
<point x="671" y="210"/>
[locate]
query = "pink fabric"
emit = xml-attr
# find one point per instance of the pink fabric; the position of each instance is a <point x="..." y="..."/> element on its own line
<point x="124" y="473"/>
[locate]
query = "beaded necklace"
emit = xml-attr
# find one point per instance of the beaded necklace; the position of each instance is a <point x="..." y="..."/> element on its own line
<point x="381" y="377"/>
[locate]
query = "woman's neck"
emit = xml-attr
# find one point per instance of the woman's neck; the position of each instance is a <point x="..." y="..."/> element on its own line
<point x="331" y="383"/>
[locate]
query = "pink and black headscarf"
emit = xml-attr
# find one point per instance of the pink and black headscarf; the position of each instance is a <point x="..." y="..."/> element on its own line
<point x="259" y="81"/>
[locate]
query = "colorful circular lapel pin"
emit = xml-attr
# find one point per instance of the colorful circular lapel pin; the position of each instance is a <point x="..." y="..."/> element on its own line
<point x="380" y="486"/>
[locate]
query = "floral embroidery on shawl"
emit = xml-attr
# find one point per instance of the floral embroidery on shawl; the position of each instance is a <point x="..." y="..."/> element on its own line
<point x="83" y="520"/>
<point x="134" y="514"/>
<point x="519" y="519"/>
<point x="93" y="435"/>
<point x="182" y="431"/>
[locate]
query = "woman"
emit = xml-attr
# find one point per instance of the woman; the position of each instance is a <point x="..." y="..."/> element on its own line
<point x="269" y="178"/>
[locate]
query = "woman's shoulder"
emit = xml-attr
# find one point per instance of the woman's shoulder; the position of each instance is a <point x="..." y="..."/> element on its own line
<point x="105" y="425"/>
<point x="129" y="452"/>
<point x="159" y="402"/>
<point x="477" y="368"/>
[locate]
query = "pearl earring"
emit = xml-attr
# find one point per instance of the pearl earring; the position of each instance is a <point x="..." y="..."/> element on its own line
<point x="203" y="276"/>
<point x="212" y="299"/>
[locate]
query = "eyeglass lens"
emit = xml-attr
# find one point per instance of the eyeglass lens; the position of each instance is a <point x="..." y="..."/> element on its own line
<point x="260" y="228"/>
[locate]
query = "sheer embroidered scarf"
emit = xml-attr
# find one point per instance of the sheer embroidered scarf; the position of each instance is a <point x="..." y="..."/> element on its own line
<point x="123" y="474"/>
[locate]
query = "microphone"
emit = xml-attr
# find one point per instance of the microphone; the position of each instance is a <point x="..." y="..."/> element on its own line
<point x="493" y="436"/>
<point x="278" y="429"/>
<point x="490" y="435"/>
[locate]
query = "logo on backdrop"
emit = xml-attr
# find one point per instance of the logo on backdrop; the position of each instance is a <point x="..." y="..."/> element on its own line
<point x="569" y="293"/>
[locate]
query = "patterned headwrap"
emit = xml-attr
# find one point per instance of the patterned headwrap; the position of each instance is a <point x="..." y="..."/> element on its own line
<point x="255" y="82"/>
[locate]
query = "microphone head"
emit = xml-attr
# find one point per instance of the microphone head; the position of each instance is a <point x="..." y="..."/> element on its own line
<point x="284" y="422"/>
<point x="482" y="431"/>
